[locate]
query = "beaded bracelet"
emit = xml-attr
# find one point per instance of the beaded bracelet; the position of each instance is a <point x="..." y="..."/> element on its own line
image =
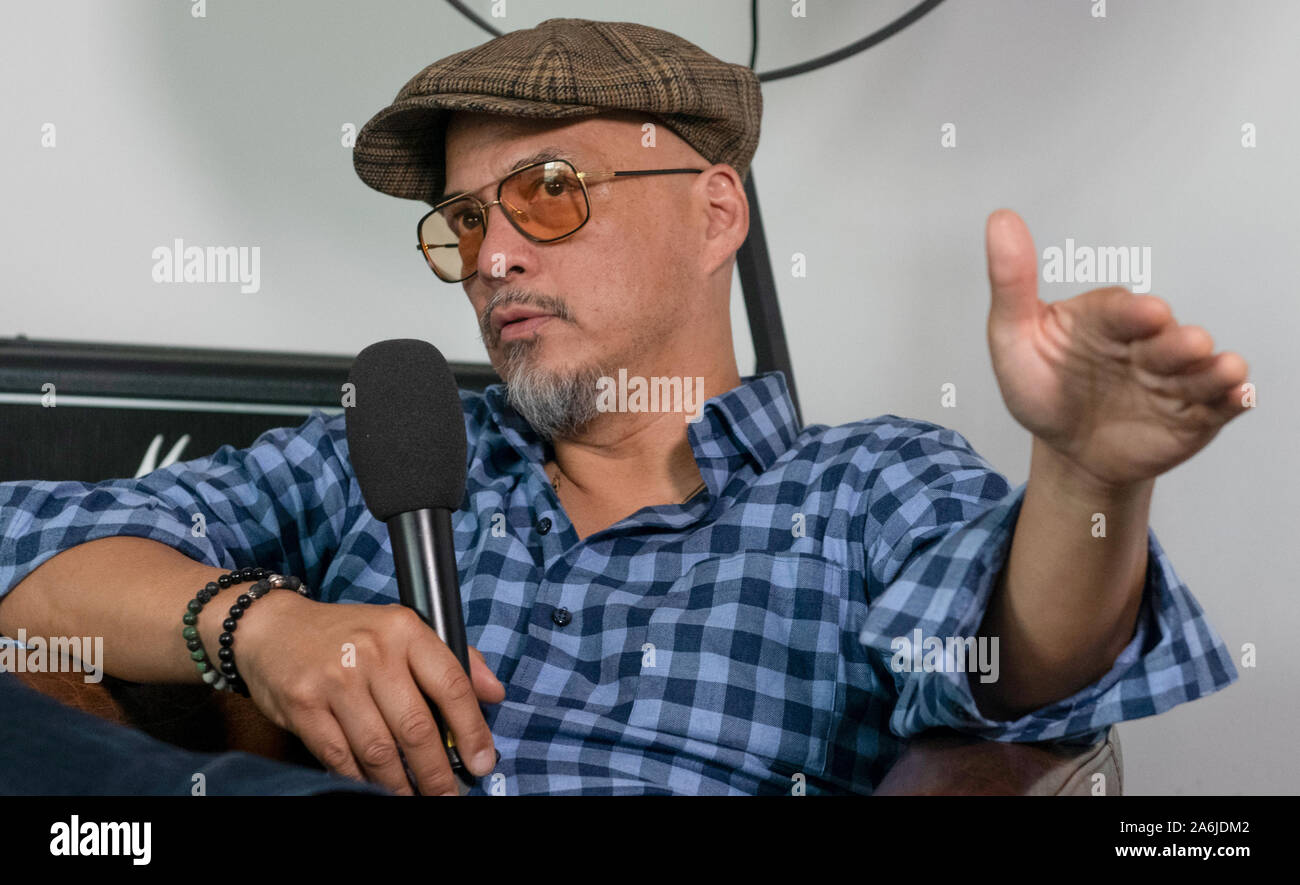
<point x="228" y="679"/>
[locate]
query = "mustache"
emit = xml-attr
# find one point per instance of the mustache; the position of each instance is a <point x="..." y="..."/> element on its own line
<point x="505" y="297"/>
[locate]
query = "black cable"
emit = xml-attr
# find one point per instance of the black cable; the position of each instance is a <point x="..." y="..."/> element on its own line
<point x="866" y="42"/>
<point x="469" y="14"/>
<point x="753" y="33"/>
<point x="822" y="61"/>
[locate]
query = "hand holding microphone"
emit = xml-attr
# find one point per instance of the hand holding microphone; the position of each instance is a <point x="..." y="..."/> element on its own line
<point x="354" y="719"/>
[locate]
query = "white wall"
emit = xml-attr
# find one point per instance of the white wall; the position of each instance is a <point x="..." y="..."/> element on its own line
<point x="1117" y="131"/>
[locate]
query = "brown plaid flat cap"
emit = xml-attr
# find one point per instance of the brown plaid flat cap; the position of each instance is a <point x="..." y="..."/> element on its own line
<point x="564" y="67"/>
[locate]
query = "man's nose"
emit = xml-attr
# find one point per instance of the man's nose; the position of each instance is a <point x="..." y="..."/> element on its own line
<point x="504" y="249"/>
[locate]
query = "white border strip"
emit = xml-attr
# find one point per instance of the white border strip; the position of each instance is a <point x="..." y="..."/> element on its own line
<point x="173" y="405"/>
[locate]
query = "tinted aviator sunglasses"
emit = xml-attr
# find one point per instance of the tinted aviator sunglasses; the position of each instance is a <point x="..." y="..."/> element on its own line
<point x="545" y="201"/>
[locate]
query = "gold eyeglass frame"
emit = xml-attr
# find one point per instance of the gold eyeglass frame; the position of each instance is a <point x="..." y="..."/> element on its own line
<point x="583" y="179"/>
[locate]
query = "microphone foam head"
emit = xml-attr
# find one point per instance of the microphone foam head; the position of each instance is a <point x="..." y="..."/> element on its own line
<point x="406" y="429"/>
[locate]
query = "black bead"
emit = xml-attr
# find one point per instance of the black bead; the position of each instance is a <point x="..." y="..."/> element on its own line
<point x="229" y="625"/>
<point x="224" y="581"/>
<point x="244" y="601"/>
<point x="246" y="574"/>
<point x="228" y="667"/>
<point x="260" y="572"/>
<point x="204" y="596"/>
<point x="212" y="587"/>
<point x="194" y="645"/>
<point x="262" y="584"/>
<point x="236" y="612"/>
<point x="226" y="654"/>
<point x="225" y="639"/>
<point x="292" y="582"/>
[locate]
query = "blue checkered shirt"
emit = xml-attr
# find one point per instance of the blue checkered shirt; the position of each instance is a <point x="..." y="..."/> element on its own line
<point x="740" y="643"/>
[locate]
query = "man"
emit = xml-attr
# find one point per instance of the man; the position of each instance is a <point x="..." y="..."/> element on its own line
<point x="667" y="597"/>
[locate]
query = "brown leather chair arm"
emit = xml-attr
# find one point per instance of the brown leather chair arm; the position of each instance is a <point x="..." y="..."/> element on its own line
<point x="946" y="763"/>
<point x="193" y="717"/>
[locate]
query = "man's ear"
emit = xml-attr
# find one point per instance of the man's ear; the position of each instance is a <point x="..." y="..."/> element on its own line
<point x="727" y="210"/>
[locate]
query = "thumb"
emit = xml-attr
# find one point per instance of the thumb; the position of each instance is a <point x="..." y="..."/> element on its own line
<point x="1013" y="268"/>
<point x="486" y="684"/>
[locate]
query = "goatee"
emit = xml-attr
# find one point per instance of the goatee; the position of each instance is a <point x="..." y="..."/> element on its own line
<point x="554" y="403"/>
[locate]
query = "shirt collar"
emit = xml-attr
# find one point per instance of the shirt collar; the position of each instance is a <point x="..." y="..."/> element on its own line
<point x="754" y="421"/>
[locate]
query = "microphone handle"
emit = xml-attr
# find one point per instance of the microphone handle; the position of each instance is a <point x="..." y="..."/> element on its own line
<point x="424" y="555"/>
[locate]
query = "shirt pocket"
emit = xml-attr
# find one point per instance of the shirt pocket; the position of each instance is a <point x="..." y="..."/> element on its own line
<point x="743" y="652"/>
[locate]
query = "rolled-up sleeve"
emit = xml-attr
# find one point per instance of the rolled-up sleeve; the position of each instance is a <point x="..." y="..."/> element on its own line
<point x="281" y="503"/>
<point x="940" y="538"/>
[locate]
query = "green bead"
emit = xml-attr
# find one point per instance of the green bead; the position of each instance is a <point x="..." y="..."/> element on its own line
<point x="198" y="655"/>
<point x="190" y="618"/>
<point x="202" y="666"/>
<point x="190" y="633"/>
<point x="195" y="606"/>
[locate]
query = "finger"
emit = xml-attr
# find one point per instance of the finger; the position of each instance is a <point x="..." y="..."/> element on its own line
<point x="486" y="685"/>
<point x="1012" y="267"/>
<point x="411" y="722"/>
<point x="1174" y="349"/>
<point x="444" y="681"/>
<point x="1125" y="316"/>
<point x="1207" y="384"/>
<point x="372" y="743"/>
<point x="1232" y="403"/>
<point x="321" y="734"/>
<point x="1232" y="370"/>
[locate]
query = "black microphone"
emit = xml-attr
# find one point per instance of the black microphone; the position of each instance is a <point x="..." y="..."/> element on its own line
<point x="406" y="438"/>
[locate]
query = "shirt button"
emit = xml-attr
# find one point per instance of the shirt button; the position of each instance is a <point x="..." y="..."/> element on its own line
<point x="544" y="524"/>
<point x="561" y="616"/>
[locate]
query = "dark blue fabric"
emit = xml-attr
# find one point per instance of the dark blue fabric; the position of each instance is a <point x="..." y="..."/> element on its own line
<point x="48" y="749"/>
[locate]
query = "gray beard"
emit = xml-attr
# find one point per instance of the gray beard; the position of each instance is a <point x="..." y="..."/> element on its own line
<point x="554" y="404"/>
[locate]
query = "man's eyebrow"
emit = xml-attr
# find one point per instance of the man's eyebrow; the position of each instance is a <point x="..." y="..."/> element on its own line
<point x="543" y="155"/>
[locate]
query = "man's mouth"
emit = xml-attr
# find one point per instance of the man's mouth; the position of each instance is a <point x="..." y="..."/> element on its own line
<point x="523" y="328"/>
<point x="512" y="323"/>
